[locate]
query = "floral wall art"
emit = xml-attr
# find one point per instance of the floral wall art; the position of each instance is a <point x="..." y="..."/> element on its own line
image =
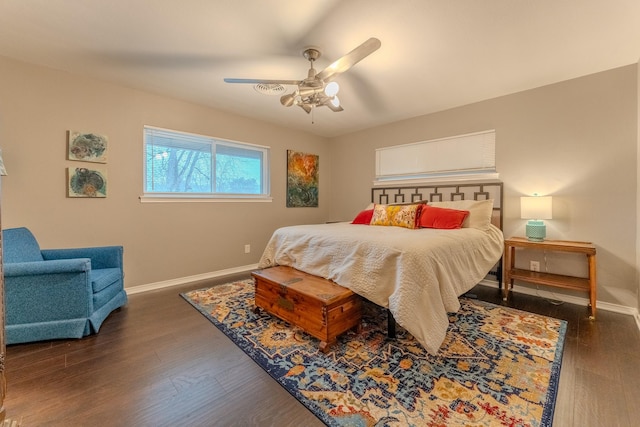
<point x="87" y="180"/>
<point x="87" y="147"/>
<point x="302" y="179"/>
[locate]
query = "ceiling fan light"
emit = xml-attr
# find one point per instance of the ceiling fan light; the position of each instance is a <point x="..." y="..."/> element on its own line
<point x="306" y="107"/>
<point x="332" y="89"/>
<point x="287" y="100"/>
<point x="335" y="101"/>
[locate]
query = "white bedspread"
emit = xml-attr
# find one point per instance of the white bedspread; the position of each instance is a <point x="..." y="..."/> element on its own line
<point x="417" y="274"/>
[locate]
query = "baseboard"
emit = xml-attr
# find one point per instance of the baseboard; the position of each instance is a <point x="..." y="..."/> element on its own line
<point x="190" y="279"/>
<point x="571" y="299"/>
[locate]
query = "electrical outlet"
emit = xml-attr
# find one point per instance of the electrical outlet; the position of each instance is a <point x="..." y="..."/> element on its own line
<point x="247" y="249"/>
<point x="534" y="266"/>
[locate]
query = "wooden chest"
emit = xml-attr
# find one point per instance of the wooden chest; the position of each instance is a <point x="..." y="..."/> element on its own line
<point x="318" y="306"/>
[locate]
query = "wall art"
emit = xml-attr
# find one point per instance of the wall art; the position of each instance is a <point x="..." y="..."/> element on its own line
<point x="302" y="179"/>
<point x="87" y="147"/>
<point x="85" y="182"/>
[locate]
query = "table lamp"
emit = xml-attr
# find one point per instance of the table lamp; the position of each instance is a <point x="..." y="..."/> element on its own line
<point x="535" y="209"/>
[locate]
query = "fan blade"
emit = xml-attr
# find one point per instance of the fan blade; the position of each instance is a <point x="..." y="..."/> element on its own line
<point x="256" y="81"/>
<point x="350" y="59"/>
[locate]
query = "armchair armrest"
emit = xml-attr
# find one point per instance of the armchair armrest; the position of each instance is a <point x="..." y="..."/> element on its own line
<point x="101" y="256"/>
<point x="48" y="291"/>
<point x="34" y="268"/>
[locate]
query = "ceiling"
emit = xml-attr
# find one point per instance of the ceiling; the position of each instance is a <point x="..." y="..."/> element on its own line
<point x="435" y="54"/>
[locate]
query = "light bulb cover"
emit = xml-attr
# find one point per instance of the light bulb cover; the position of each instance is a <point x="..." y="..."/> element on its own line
<point x="306" y="107"/>
<point x="287" y="100"/>
<point x="331" y="89"/>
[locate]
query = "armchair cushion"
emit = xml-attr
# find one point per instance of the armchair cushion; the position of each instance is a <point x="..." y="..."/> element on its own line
<point x="104" y="277"/>
<point x="104" y="284"/>
<point x="58" y="293"/>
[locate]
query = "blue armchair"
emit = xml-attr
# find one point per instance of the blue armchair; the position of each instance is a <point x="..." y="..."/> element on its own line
<point x="58" y="293"/>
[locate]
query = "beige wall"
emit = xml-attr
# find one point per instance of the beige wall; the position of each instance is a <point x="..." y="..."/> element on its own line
<point x="162" y="241"/>
<point x="575" y="140"/>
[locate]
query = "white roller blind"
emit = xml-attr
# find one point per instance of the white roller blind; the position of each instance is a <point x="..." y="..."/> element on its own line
<point x="453" y="156"/>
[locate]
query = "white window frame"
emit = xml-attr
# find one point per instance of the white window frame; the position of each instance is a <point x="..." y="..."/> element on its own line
<point x="264" y="196"/>
<point x="457" y="158"/>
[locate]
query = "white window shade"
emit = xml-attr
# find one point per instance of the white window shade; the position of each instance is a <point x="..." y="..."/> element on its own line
<point x="455" y="156"/>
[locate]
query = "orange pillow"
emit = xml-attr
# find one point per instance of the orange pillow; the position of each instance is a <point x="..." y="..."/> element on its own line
<point x="443" y="218"/>
<point x="363" y="217"/>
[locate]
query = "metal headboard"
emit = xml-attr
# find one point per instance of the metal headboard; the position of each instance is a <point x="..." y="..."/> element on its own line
<point x="444" y="192"/>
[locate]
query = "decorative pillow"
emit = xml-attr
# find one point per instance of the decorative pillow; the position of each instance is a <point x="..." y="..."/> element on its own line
<point x="363" y="217"/>
<point x="443" y="218"/>
<point x="396" y="215"/>
<point x="480" y="211"/>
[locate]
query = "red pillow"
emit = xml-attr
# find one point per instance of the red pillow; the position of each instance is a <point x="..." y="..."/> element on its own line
<point x="363" y="217"/>
<point x="443" y="218"/>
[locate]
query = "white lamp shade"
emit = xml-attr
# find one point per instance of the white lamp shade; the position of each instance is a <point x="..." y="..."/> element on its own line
<point x="535" y="207"/>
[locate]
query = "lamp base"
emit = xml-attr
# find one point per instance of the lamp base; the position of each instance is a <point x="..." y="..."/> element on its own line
<point x="536" y="230"/>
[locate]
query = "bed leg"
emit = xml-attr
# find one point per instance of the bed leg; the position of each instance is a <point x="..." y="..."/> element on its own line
<point x="391" y="325"/>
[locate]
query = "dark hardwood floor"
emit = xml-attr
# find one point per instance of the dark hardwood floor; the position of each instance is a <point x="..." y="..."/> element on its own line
<point x="158" y="362"/>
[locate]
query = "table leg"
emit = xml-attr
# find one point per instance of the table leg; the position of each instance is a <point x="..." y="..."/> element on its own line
<point x="591" y="258"/>
<point x="509" y="262"/>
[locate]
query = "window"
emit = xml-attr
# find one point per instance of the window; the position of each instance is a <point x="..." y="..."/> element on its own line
<point x="470" y="156"/>
<point x="185" y="165"/>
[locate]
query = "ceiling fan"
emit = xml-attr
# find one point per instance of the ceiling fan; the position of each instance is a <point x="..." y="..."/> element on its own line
<point x="318" y="89"/>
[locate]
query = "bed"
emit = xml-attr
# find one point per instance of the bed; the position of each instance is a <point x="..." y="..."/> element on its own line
<point x="418" y="274"/>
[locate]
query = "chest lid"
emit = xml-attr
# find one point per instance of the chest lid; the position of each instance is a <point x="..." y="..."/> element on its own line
<point x="303" y="283"/>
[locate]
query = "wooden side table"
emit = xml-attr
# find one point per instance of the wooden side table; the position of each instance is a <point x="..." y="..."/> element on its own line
<point x="549" y="279"/>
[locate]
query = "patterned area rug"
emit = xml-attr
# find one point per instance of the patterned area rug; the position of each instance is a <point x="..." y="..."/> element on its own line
<point x="497" y="367"/>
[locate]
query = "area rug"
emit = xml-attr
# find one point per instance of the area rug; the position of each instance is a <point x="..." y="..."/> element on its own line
<point x="497" y="367"/>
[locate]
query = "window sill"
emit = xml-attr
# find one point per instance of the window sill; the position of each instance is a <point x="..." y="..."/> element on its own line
<point x="204" y="199"/>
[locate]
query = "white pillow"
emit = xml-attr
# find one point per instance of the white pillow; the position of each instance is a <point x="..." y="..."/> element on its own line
<point x="480" y="211"/>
